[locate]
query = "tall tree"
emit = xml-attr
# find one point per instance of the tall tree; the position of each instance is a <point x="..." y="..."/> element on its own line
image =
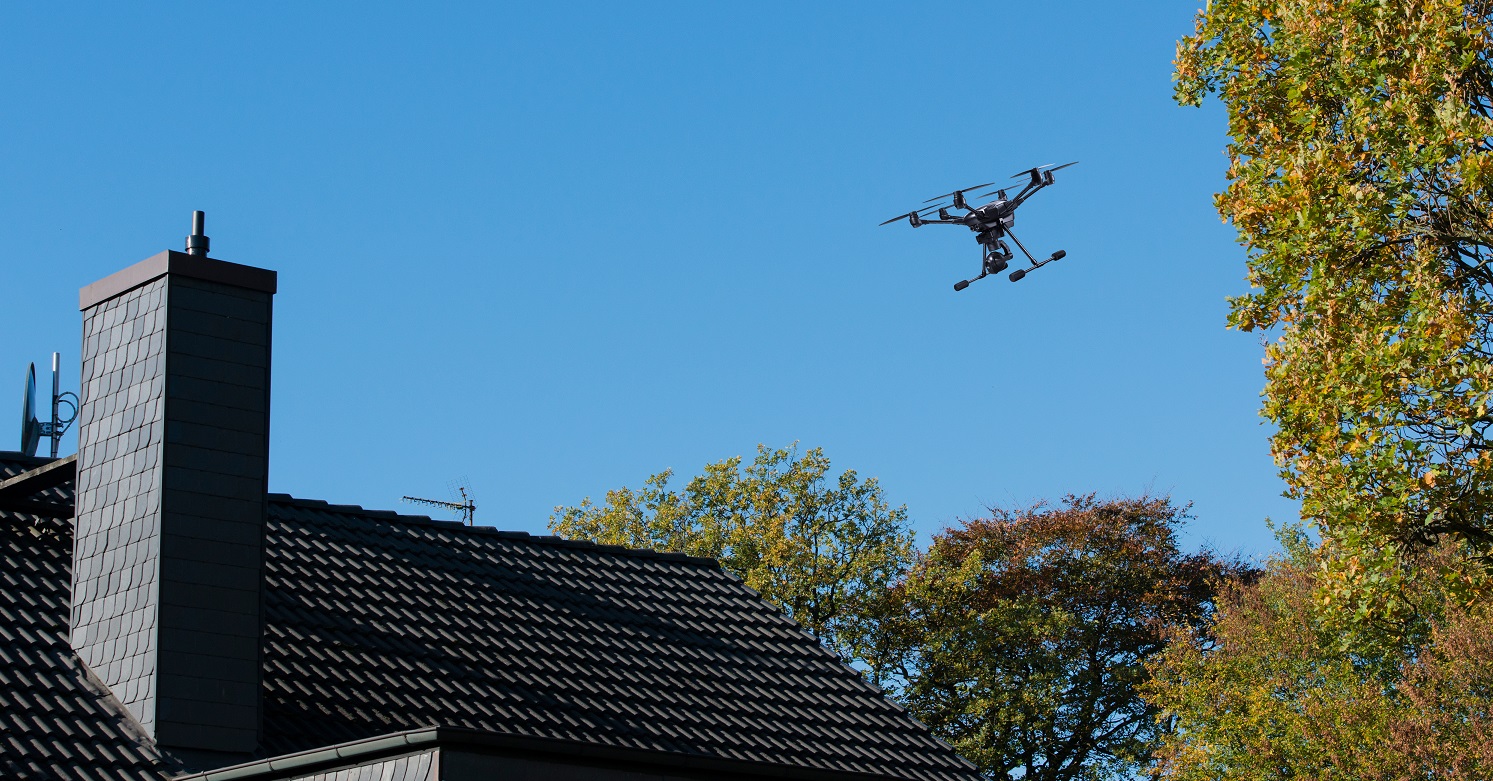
<point x="1361" y="185"/>
<point x="1361" y="181"/>
<point x="1021" y="638"/>
<point x="819" y="548"/>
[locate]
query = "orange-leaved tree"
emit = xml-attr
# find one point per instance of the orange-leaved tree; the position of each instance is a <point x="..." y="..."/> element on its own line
<point x="1022" y="638"/>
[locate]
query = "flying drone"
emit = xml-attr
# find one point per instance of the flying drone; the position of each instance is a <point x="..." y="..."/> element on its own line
<point x="991" y="222"/>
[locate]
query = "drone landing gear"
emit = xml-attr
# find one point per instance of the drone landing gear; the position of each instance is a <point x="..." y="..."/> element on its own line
<point x="1021" y="272"/>
<point x="996" y="257"/>
<point x="1017" y="275"/>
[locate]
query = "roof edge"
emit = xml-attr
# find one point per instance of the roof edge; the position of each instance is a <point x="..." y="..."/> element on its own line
<point x="540" y="539"/>
<point x="16" y="492"/>
<point x="424" y="738"/>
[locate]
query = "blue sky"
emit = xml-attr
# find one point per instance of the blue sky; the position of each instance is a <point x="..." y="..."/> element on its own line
<point x="555" y="250"/>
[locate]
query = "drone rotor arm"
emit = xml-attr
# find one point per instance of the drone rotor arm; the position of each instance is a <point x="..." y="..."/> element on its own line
<point x="1027" y="191"/>
<point x="1041" y="177"/>
<point x="920" y="212"/>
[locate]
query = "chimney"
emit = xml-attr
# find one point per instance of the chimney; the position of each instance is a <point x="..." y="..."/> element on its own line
<point x="173" y="456"/>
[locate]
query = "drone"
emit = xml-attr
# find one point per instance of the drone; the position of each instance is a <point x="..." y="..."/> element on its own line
<point x="991" y="222"/>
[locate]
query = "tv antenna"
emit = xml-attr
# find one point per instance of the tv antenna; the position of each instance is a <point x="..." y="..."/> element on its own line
<point x="466" y="507"/>
<point x="32" y="429"/>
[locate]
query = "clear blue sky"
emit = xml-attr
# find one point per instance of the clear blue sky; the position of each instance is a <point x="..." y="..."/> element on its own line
<point x="558" y="248"/>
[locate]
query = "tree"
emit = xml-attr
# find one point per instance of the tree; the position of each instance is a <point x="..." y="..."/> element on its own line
<point x="1361" y="180"/>
<point x="1361" y="185"/>
<point x="1265" y="691"/>
<point x="820" y="549"/>
<point x="1021" y="638"/>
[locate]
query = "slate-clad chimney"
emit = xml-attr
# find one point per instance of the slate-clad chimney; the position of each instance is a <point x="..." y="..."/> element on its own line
<point x="173" y="456"/>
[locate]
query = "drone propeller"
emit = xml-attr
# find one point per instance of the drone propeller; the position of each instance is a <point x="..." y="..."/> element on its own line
<point x="965" y="190"/>
<point x="1039" y="169"/>
<point x="920" y="213"/>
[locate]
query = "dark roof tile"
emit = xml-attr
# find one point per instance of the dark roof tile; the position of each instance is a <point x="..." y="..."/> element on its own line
<point x="54" y="721"/>
<point x="550" y="638"/>
<point x="377" y="622"/>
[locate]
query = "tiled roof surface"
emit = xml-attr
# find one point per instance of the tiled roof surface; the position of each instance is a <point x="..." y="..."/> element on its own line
<point x="55" y="723"/>
<point x="378" y="622"/>
<point x="14" y="464"/>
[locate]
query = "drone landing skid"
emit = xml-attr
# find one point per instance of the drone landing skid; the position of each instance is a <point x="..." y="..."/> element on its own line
<point x="1015" y="276"/>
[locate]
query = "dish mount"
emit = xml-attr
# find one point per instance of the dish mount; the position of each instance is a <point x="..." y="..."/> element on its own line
<point x="33" y="429"/>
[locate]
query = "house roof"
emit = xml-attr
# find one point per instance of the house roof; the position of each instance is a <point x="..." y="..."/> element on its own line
<point x="55" y="720"/>
<point x="379" y="623"/>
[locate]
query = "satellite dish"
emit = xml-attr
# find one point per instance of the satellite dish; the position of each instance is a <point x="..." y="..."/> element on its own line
<point x="30" y="426"/>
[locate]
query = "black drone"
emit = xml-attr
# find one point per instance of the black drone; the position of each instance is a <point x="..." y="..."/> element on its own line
<point x="991" y="222"/>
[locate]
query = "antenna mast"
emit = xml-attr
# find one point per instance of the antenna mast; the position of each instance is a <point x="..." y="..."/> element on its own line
<point x="466" y="507"/>
<point x="64" y="412"/>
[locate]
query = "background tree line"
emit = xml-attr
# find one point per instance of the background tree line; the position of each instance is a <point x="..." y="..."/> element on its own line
<point x="1075" y="640"/>
<point x="1021" y="639"/>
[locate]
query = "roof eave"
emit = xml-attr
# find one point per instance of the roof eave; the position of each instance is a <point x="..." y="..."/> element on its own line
<point x="425" y="738"/>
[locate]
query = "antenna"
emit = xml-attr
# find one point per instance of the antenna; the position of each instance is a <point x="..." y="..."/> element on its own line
<point x="32" y="430"/>
<point x="466" y="507"/>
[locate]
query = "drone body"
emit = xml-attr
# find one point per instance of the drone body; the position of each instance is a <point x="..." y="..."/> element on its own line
<point x="991" y="222"/>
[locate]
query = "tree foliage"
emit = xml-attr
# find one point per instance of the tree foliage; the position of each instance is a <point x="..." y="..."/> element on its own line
<point x="1267" y="692"/>
<point x="1021" y="638"/>
<point x="819" y="548"/>
<point x="1361" y="184"/>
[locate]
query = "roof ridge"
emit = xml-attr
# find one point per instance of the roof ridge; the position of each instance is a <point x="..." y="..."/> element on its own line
<point x="491" y="531"/>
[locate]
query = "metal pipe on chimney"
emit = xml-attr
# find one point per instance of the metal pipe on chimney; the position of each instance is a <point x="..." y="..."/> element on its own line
<point x="197" y="243"/>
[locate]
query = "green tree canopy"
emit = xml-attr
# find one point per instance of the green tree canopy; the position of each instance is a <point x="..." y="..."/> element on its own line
<point x="1361" y="182"/>
<point x="1361" y="185"/>
<point x="1021" y="638"/>
<point x="819" y="548"/>
<point x="1267" y="692"/>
